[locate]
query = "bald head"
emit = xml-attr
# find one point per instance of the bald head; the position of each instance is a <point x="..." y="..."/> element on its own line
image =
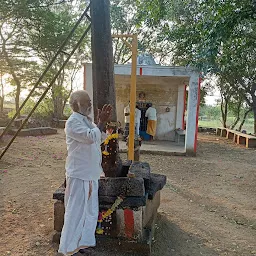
<point x="80" y="102"/>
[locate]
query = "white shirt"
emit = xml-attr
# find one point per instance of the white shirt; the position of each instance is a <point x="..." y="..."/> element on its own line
<point x="83" y="140"/>
<point x="127" y="111"/>
<point x="137" y="116"/>
<point x="151" y="114"/>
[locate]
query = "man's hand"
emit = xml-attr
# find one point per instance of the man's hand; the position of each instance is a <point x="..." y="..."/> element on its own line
<point x="105" y="114"/>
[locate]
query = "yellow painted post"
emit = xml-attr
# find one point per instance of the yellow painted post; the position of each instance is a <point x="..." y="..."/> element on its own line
<point x="133" y="98"/>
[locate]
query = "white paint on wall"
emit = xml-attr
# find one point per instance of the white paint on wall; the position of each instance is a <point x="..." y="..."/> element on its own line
<point x="191" y="114"/>
<point x="166" y="124"/>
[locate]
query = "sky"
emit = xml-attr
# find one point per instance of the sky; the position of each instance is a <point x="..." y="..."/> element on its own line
<point x="78" y="85"/>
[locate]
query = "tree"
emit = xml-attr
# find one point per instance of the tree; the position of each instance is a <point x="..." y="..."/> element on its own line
<point x="15" y="57"/>
<point x="217" y="37"/>
<point x="34" y="31"/>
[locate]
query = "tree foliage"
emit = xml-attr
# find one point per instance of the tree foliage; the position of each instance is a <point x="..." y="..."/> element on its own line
<point x="216" y="36"/>
<point x="31" y="33"/>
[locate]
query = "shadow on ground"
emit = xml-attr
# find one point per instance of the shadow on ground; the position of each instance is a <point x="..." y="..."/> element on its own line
<point x="171" y="240"/>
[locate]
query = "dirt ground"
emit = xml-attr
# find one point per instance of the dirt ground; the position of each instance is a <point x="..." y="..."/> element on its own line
<point x="208" y="206"/>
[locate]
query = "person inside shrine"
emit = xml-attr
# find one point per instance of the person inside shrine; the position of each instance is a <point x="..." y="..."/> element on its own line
<point x="137" y="120"/>
<point x="83" y="170"/>
<point x="152" y="121"/>
<point x="126" y="120"/>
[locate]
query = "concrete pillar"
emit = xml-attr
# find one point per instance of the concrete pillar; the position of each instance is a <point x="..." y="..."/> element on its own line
<point x="192" y="114"/>
<point x="180" y="107"/>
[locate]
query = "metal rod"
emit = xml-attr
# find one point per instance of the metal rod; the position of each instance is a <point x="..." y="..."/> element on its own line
<point x="47" y="89"/>
<point x="133" y="98"/>
<point x="46" y="70"/>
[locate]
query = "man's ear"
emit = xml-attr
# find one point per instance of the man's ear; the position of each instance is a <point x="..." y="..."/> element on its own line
<point x="76" y="106"/>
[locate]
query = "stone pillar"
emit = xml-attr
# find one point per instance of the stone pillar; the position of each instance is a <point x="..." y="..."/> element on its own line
<point x="180" y="107"/>
<point x="192" y="114"/>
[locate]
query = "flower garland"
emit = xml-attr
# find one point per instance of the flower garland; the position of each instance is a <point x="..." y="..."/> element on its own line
<point x="106" y="214"/>
<point x="106" y="142"/>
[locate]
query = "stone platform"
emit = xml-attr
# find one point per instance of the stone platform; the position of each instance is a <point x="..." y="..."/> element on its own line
<point x="39" y="131"/>
<point x="132" y="224"/>
<point x="157" y="147"/>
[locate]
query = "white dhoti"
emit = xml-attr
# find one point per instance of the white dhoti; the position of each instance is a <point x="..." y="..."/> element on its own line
<point x="81" y="215"/>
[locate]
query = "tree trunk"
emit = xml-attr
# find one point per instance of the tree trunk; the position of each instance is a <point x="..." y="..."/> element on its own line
<point x="58" y="100"/>
<point x="14" y="76"/>
<point x="253" y="94"/>
<point x="244" y="119"/>
<point x="103" y="77"/>
<point x="239" y="105"/>
<point x="2" y="95"/>
<point x="17" y="99"/>
<point x="224" y="110"/>
<point x="102" y="57"/>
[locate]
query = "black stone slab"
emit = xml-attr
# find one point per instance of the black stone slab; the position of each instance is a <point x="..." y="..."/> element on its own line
<point x="110" y="188"/>
<point x="121" y="186"/>
<point x="130" y="202"/>
<point x="157" y="183"/>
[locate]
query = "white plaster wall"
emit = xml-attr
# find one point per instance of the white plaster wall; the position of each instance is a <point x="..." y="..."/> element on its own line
<point x="166" y="123"/>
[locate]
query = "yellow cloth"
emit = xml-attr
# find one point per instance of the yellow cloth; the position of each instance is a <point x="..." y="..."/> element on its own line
<point x="151" y="129"/>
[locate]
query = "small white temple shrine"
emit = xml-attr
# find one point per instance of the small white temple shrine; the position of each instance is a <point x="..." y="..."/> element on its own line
<point x="164" y="87"/>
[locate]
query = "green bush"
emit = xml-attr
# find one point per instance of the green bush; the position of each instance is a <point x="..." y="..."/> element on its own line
<point x="42" y="115"/>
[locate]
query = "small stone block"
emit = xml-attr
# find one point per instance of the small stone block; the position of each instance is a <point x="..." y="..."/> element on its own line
<point x="56" y="237"/>
<point x="59" y="194"/>
<point x="157" y="183"/>
<point x="59" y="212"/>
<point x="142" y="170"/>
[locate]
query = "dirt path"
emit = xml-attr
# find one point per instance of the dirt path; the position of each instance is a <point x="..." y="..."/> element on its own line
<point x="208" y="205"/>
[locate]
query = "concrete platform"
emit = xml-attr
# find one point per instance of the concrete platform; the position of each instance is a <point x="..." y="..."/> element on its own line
<point x="39" y="131"/>
<point x="158" y="147"/>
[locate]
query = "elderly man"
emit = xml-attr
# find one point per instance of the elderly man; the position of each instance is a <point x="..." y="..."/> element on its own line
<point x="83" y="169"/>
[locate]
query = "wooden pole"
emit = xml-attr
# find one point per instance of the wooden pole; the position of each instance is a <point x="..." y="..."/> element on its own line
<point x="102" y="57"/>
<point x="133" y="98"/>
